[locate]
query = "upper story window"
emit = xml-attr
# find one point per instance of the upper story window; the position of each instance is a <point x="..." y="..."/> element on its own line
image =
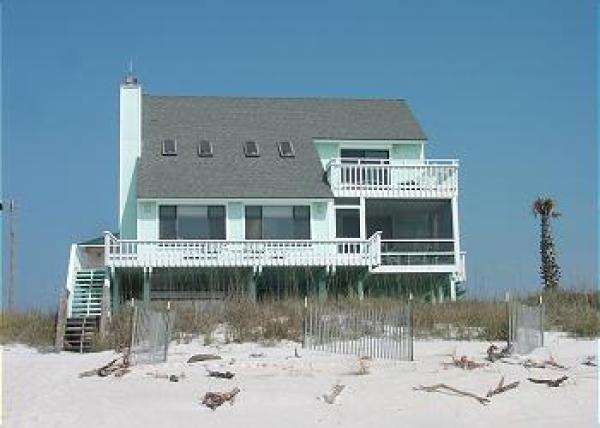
<point x="286" y="149"/>
<point x="277" y="222"/>
<point x="191" y="222"/>
<point x="205" y="149"/>
<point x="169" y="147"/>
<point x="251" y="149"/>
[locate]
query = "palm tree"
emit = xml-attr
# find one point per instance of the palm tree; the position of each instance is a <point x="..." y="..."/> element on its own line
<point x="546" y="209"/>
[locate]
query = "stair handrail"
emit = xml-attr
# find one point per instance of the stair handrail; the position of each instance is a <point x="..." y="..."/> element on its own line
<point x="109" y="241"/>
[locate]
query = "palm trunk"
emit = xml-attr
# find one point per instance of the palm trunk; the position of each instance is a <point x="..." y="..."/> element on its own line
<point x="549" y="269"/>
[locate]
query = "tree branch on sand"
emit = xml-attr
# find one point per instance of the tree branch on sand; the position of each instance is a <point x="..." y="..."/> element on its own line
<point x="438" y="386"/>
<point x="212" y="400"/>
<point x="335" y="391"/>
<point x="554" y="383"/>
<point x="502" y="388"/>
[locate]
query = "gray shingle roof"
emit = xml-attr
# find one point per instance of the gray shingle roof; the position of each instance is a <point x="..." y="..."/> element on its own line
<point x="228" y="122"/>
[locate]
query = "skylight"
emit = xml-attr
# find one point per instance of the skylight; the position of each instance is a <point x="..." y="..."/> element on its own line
<point x="251" y="149"/>
<point x="205" y="148"/>
<point x="169" y="147"/>
<point x="286" y="150"/>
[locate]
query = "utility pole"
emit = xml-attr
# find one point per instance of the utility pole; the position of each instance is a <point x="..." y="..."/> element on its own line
<point x="11" y="256"/>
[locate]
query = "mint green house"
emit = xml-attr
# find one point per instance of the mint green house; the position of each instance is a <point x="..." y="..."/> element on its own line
<point x="271" y="197"/>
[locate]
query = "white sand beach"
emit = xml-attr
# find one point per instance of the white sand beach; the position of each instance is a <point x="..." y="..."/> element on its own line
<point x="278" y="389"/>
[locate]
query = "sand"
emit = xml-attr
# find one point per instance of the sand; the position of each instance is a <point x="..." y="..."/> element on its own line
<point x="279" y="390"/>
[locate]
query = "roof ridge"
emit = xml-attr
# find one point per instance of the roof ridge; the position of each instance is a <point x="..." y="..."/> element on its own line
<point x="308" y="98"/>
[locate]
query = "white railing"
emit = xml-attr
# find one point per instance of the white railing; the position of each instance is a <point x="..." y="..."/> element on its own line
<point x="250" y="253"/>
<point x="411" y="252"/>
<point x="393" y="178"/>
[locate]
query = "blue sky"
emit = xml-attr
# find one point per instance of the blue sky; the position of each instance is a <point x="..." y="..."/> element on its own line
<point x="507" y="87"/>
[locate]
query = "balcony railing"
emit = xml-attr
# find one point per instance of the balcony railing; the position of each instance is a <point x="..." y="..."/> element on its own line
<point x="248" y="253"/>
<point x="393" y="178"/>
<point x="406" y="252"/>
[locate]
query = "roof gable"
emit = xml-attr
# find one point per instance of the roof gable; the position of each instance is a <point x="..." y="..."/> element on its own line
<point x="228" y="122"/>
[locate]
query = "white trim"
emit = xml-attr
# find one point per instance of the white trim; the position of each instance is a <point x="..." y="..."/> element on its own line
<point x="358" y="142"/>
<point x="249" y="201"/>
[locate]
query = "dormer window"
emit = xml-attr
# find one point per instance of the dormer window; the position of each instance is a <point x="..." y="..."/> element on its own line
<point x="205" y="149"/>
<point x="286" y="150"/>
<point x="251" y="149"/>
<point x="169" y="147"/>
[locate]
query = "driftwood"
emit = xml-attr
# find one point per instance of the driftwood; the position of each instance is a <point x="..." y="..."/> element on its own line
<point x="502" y="388"/>
<point x="438" y="386"/>
<point x="590" y="361"/>
<point x="464" y="363"/>
<point x="170" y="378"/>
<point x="202" y="357"/>
<point x="494" y="353"/>
<point x="221" y="375"/>
<point x="554" y="383"/>
<point x="212" y="400"/>
<point x="335" y="391"/>
<point x="117" y="367"/>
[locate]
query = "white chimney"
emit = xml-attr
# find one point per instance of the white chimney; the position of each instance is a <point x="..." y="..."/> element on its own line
<point x="130" y="149"/>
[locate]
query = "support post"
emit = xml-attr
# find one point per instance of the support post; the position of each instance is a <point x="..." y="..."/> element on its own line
<point x="251" y="286"/>
<point x="452" y="289"/>
<point x="61" y="320"/>
<point x="105" y="306"/>
<point x="147" y="284"/>
<point x="322" y="286"/>
<point x="360" y="285"/>
<point x="116" y="298"/>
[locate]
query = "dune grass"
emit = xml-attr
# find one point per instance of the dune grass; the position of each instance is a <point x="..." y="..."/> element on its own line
<point x="574" y="312"/>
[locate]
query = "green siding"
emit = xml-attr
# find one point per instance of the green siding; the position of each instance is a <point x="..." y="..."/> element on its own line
<point x="327" y="151"/>
<point x="235" y="220"/>
<point x="319" y="220"/>
<point x="406" y="151"/>
<point x="147" y="221"/>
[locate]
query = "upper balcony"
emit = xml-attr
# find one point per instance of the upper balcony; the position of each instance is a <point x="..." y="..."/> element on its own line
<point x="384" y="178"/>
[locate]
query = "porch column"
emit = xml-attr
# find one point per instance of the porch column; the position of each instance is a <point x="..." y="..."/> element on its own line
<point x="250" y="289"/>
<point x="114" y="283"/>
<point x="360" y="285"/>
<point x="147" y="284"/>
<point x="363" y="219"/>
<point x="452" y="289"/>
<point x="322" y="286"/>
<point x="455" y="232"/>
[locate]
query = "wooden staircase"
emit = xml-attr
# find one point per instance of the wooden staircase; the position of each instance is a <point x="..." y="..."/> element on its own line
<point x="86" y="309"/>
<point x="79" y="333"/>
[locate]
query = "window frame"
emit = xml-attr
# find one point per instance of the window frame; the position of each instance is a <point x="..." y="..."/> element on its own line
<point x="248" y="153"/>
<point x="163" y="150"/>
<point x="202" y="153"/>
<point x="292" y="152"/>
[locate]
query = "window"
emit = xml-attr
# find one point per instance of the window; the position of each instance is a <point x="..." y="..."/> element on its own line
<point x="251" y="149"/>
<point x="278" y="222"/>
<point x="192" y="222"/>
<point x="254" y="222"/>
<point x="205" y="149"/>
<point x="364" y="154"/>
<point x="169" y="147"/>
<point x="347" y="223"/>
<point x="167" y="222"/>
<point x="286" y="150"/>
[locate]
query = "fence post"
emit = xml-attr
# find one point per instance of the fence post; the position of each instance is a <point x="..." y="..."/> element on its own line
<point x="168" y="331"/>
<point x="410" y="327"/>
<point x="508" y="321"/>
<point x="542" y="313"/>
